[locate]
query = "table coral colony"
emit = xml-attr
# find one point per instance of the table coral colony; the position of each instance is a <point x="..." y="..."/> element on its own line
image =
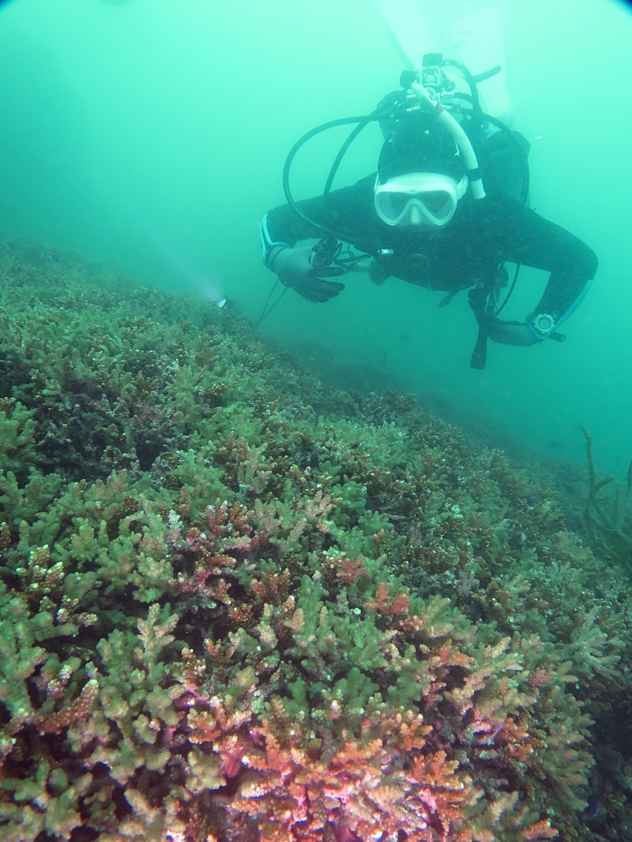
<point x="303" y="615"/>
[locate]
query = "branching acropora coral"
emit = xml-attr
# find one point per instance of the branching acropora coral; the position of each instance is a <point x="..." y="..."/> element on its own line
<point x="236" y="605"/>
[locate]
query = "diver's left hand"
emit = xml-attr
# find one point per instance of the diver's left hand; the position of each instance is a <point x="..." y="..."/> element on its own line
<point x="509" y="333"/>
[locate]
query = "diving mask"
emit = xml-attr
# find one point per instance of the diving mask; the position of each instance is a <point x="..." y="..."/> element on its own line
<point x="418" y="198"/>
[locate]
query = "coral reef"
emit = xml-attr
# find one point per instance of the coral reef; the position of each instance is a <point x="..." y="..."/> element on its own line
<point x="609" y="521"/>
<point x="239" y="605"/>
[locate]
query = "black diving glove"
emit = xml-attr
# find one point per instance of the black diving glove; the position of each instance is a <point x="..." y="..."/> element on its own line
<point x="508" y="333"/>
<point x="296" y="268"/>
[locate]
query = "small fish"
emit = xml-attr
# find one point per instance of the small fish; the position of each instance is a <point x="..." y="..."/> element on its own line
<point x="55" y="259"/>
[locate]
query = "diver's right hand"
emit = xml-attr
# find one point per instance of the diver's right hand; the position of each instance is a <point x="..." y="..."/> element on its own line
<point x="295" y="268"/>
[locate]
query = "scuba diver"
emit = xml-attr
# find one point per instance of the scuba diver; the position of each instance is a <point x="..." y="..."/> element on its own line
<point x="447" y="208"/>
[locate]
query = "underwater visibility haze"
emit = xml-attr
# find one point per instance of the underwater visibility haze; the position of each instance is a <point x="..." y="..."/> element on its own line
<point x="309" y="576"/>
<point x="154" y="135"/>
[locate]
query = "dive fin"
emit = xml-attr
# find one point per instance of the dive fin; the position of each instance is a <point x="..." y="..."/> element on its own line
<point x="407" y="30"/>
<point x="475" y="38"/>
<point x="479" y="43"/>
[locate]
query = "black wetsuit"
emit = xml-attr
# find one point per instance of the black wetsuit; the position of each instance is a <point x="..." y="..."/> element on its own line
<point x="469" y="250"/>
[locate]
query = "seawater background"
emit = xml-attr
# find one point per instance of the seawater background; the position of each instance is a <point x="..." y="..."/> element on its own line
<point x="152" y="134"/>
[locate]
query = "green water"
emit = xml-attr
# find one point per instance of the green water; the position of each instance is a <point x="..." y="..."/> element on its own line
<point x="152" y="134"/>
